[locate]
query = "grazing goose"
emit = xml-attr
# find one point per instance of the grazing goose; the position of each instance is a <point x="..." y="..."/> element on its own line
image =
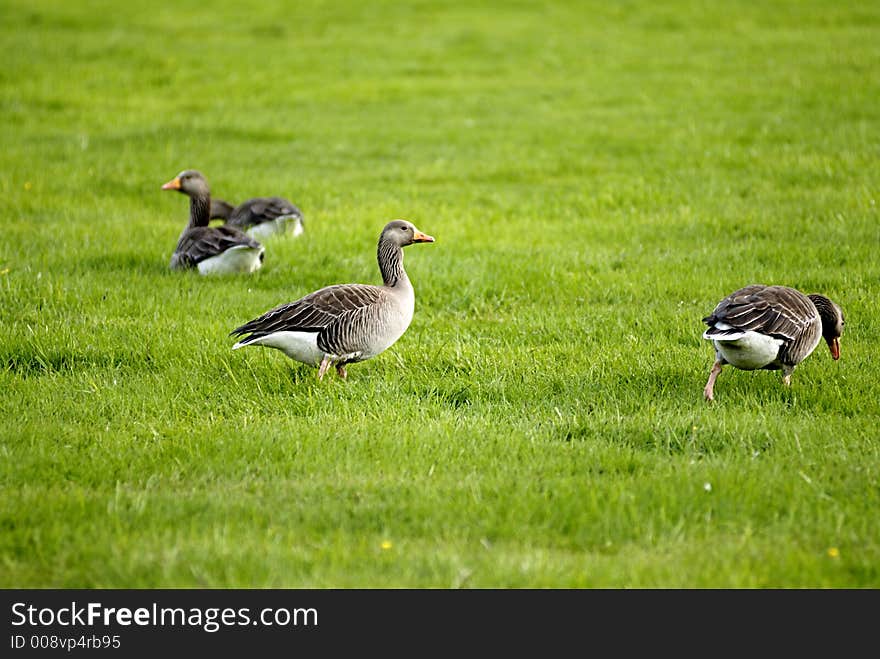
<point x="344" y="323"/>
<point x="211" y="250"/>
<point x="771" y="327"/>
<point x="260" y="217"/>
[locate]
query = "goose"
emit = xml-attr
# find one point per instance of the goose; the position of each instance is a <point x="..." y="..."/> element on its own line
<point x="770" y="327"/>
<point x="220" y="209"/>
<point x="344" y="323"/>
<point x="210" y="250"/>
<point x="260" y="217"/>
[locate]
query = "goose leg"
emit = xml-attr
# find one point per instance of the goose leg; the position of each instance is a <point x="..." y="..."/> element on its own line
<point x="325" y="366"/>
<point x="340" y="369"/>
<point x="786" y="375"/>
<point x="708" y="391"/>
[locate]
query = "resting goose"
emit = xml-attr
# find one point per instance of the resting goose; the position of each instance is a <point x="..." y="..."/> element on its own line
<point x="260" y="217"/>
<point x="211" y="250"/>
<point x="220" y="209"/>
<point x="344" y="323"/>
<point x="770" y="327"/>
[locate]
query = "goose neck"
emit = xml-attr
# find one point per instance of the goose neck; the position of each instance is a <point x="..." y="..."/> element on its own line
<point x="199" y="210"/>
<point x="828" y="314"/>
<point x="390" y="257"/>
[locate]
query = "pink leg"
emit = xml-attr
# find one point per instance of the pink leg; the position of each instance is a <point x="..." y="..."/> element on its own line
<point x="708" y="392"/>
<point x="340" y="369"/>
<point x="325" y="366"/>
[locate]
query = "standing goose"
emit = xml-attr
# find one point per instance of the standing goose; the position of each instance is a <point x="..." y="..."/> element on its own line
<point x="260" y="217"/>
<point x="211" y="250"/>
<point x="770" y="327"/>
<point x="344" y="323"/>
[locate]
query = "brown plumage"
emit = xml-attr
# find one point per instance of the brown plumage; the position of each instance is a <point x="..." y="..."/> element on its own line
<point x="770" y="327"/>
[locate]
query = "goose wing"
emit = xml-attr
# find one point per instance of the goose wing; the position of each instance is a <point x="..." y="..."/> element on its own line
<point x="777" y="311"/>
<point x="199" y="243"/>
<point x="314" y="312"/>
<point x="262" y="209"/>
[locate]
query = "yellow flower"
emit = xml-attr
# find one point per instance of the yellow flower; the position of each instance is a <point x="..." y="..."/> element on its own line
<point x="27" y="185"/>
<point x="386" y="544"/>
<point x="833" y="552"/>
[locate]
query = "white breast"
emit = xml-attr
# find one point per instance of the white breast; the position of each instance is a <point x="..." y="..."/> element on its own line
<point x="749" y="350"/>
<point x="240" y="258"/>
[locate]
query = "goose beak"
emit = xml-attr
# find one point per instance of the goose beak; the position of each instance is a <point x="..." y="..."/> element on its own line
<point x="173" y="184"/>
<point x="834" y="347"/>
<point x="419" y="237"/>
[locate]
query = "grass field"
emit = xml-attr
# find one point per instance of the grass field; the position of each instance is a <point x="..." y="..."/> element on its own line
<point x="597" y="176"/>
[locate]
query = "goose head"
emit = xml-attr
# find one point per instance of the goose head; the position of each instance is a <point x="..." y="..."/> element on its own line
<point x="190" y="182"/>
<point x="403" y="233"/>
<point x="832" y="322"/>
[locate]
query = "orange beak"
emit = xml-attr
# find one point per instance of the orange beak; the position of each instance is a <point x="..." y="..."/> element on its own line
<point x="173" y="184"/>
<point x="834" y="347"/>
<point x="420" y="237"/>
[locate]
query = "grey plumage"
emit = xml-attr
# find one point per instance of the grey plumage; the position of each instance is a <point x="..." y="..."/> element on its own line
<point x="261" y="209"/>
<point x="220" y="209"/>
<point x="344" y="323"/>
<point x="770" y="327"/>
<point x="199" y="242"/>
<point x="341" y="315"/>
<point x="261" y="217"/>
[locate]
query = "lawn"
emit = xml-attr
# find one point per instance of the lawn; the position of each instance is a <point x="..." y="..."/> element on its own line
<point x="597" y="176"/>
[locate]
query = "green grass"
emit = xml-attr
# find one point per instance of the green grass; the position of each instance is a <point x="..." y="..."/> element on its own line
<point x="597" y="175"/>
